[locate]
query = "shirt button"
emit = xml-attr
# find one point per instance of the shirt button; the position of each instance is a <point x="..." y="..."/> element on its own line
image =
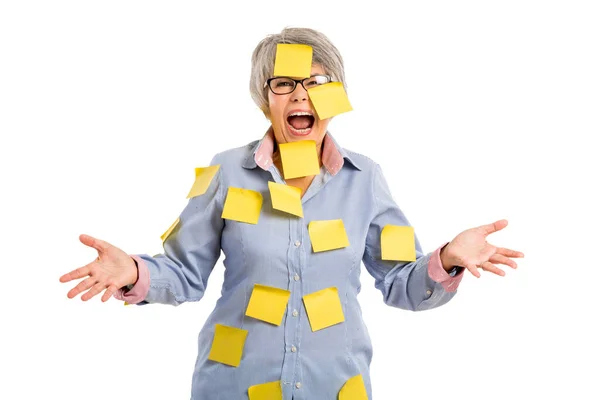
<point x="295" y="313"/>
<point x="298" y="385"/>
<point x="293" y="349"/>
<point x="296" y="277"/>
<point x="297" y="243"/>
<point x="428" y="292"/>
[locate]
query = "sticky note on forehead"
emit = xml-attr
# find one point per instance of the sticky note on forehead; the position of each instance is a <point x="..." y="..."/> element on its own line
<point x="299" y="159"/>
<point x="293" y="60"/>
<point x="329" y="99"/>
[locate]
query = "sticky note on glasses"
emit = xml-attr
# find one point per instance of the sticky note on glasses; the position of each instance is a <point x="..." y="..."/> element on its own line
<point x="324" y="308"/>
<point x="168" y="232"/>
<point x="294" y="60"/>
<point x="327" y="235"/>
<point x="329" y="99"/>
<point x="299" y="159"/>
<point x="242" y="205"/>
<point x="398" y="243"/>
<point x="228" y="345"/>
<point x="286" y="198"/>
<point x="353" y="389"/>
<point x="204" y="177"/>
<point x="268" y="304"/>
<point x="266" y="391"/>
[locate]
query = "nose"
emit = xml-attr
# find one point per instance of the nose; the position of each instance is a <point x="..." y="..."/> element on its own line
<point x="299" y="94"/>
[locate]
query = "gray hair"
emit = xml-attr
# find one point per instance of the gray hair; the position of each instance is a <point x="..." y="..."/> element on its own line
<point x="263" y="59"/>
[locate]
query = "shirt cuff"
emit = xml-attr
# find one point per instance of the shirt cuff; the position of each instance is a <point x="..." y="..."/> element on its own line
<point x="437" y="272"/>
<point x="139" y="291"/>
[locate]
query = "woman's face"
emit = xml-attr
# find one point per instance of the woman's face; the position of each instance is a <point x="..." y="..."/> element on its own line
<point x="287" y="113"/>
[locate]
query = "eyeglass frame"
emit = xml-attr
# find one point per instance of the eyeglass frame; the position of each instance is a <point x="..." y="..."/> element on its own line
<point x="296" y="82"/>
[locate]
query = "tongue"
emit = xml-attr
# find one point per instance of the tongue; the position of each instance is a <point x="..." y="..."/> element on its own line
<point x="300" y="122"/>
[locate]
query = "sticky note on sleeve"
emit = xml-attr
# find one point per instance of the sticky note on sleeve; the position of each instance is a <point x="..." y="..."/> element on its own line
<point x="268" y="304"/>
<point x="228" y="345"/>
<point x="286" y="198"/>
<point x="329" y="99"/>
<point x="299" y="159"/>
<point x="165" y="235"/>
<point x="204" y="177"/>
<point x="324" y="308"/>
<point x="398" y="243"/>
<point x="293" y="60"/>
<point x="327" y="235"/>
<point x="354" y="389"/>
<point x="266" y="391"/>
<point x="242" y="205"/>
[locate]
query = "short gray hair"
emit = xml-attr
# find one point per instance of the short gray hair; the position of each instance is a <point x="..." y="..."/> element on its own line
<point x="263" y="59"/>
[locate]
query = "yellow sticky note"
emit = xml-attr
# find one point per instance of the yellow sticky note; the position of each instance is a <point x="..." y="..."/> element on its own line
<point x="294" y="60"/>
<point x="242" y="205"/>
<point x="354" y="389"/>
<point x="398" y="243"/>
<point x="286" y="198"/>
<point x="266" y="391"/>
<point x="165" y="235"/>
<point x="268" y="304"/>
<point x="125" y="303"/>
<point x="324" y="308"/>
<point x="327" y="235"/>
<point x="329" y="99"/>
<point x="228" y="345"/>
<point x="299" y="159"/>
<point x="203" y="178"/>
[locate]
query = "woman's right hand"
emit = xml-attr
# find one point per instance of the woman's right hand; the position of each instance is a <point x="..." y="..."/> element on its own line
<point x="112" y="270"/>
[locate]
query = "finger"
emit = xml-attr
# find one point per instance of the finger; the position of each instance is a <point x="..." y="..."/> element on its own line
<point x="76" y="274"/>
<point x="97" y="244"/>
<point x="83" y="285"/>
<point x="112" y="289"/>
<point x="488" y="266"/>
<point x="509" y="252"/>
<point x="494" y="227"/>
<point x="473" y="270"/>
<point x="98" y="287"/>
<point x="500" y="259"/>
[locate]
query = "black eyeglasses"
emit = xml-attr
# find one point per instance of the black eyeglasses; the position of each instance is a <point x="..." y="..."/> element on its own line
<point x="285" y="85"/>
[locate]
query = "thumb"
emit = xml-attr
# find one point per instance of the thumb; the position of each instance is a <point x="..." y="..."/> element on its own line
<point x="97" y="244"/>
<point x="494" y="227"/>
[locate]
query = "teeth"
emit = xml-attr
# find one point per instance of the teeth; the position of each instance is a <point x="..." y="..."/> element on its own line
<point x="299" y="113"/>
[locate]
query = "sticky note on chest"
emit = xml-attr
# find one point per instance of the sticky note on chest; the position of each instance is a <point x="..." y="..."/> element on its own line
<point x="299" y="159"/>
<point x="204" y="177"/>
<point x="398" y="243"/>
<point x="329" y="99"/>
<point x="286" y="198"/>
<point x="266" y="391"/>
<point x="267" y="304"/>
<point x="242" y="205"/>
<point x="228" y="345"/>
<point x="293" y="60"/>
<point x="354" y="389"/>
<point x="324" y="308"/>
<point x="327" y="235"/>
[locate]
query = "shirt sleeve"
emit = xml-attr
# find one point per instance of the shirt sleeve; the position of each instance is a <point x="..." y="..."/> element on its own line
<point x="191" y="251"/>
<point x="418" y="285"/>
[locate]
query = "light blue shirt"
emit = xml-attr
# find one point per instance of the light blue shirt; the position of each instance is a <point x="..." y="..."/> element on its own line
<point x="277" y="252"/>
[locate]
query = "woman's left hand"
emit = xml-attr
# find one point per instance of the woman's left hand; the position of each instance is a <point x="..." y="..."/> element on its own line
<point x="471" y="250"/>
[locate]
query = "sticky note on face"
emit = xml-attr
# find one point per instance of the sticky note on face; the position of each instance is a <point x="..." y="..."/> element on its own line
<point x="203" y="178"/>
<point x="228" y="345"/>
<point x="398" y="243"/>
<point x="324" y="308"/>
<point x="242" y="205"/>
<point x="327" y="235"/>
<point x="286" y="198"/>
<point x="329" y="99"/>
<point x="299" y="159"/>
<point x="354" y="389"/>
<point x="293" y="60"/>
<point x="165" y="235"/>
<point x="268" y="304"/>
<point x="266" y="391"/>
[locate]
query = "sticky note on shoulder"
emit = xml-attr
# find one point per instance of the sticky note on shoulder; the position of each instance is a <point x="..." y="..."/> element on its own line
<point x="293" y="60"/>
<point x="398" y="243"/>
<point x="168" y="232"/>
<point x="299" y="159"/>
<point x="329" y="99"/>
<point x="354" y="389"/>
<point x="324" y="308"/>
<point x="228" y="345"/>
<point x="204" y="177"/>
<point x="266" y="391"/>
<point x="286" y="198"/>
<point x="327" y="235"/>
<point x="242" y="205"/>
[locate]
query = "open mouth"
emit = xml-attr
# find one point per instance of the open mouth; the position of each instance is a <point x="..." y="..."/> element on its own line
<point x="300" y="123"/>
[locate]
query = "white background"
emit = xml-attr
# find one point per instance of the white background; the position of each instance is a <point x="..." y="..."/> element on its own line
<point x="476" y="111"/>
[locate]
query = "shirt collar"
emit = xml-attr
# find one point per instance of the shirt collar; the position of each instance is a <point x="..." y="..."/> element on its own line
<point x="333" y="156"/>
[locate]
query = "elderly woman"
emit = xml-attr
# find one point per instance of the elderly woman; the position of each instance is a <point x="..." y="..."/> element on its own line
<point x="288" y="323"/>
